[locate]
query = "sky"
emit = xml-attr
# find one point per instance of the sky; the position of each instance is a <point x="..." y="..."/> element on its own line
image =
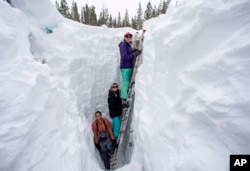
<point x="116" y="6"/>
<point x="191" y="108"/>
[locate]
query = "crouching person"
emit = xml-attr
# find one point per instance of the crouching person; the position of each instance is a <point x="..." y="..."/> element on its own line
<point x="103" y="137"/>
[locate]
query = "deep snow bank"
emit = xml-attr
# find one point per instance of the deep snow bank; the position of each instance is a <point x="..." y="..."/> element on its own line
<point x="46" y="109"/>
<point x="192" y="91"/>
<point x="40" y="126"/>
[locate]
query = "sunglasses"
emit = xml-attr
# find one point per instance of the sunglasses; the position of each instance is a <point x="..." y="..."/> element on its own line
<point x="128" y="36"/>
<point x="115" y="86"/>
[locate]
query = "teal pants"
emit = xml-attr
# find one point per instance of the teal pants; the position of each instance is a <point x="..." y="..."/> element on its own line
<point x="126" y="77"/>
<point x="116" y="124"/>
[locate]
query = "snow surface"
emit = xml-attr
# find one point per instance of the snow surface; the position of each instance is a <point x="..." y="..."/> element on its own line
<point x="192" y="90"/>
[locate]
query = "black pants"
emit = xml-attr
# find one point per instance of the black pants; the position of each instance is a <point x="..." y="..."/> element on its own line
<point x="105" y="155"/>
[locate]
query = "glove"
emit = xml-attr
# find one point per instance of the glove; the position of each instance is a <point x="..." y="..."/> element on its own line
<point x="98" y="146"/>
<point x="114" y="143"/>
<point x="137" y="52"/>
<point x="134" y="50"/>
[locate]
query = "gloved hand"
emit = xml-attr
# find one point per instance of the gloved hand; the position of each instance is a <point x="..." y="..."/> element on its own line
<point x="98" y="146"/>
<point x="114" y="143"/>
<point x="134" y="49"/>
<point x="137" y="52"/>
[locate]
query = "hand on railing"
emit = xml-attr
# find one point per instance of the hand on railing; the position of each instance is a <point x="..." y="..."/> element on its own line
<point x="137" y="52"/>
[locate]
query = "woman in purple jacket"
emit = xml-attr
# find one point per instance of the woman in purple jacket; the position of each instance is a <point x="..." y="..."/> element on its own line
<point x="126" y="63"/>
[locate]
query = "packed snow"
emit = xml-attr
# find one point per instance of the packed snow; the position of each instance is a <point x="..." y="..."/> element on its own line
<point x="192" y="90"/>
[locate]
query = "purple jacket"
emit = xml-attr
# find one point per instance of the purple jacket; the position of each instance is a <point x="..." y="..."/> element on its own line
<point x="127" y="55"/>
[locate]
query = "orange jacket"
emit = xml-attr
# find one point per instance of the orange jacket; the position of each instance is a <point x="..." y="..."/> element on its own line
<point x="102" y="128"/>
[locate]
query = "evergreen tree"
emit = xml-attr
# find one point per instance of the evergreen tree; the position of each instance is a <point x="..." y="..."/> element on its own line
<point x="123" y="22"/>
<point x="110" y="22"/>
<point x="101" y="20"/>
<point x="104" y="17"/>
<point x="126" y="19"/>
<point x="148" y="12"/>
<point x="119" y="22"/>
<point x="163" y="9"/>
<point x="160" y="7"/>
<point x="74" y="12"/>
<point x="93" y="17"/>
<point x="86" y="14"/>
<point x="114" y="23"/>
<point x="57" y="6"/>
<point x="133" y="23"/>
<point x="139" y="18"/>
<point x="82" y="18"/>
<point x="64" y="9"/>
<point x="155" y="12"/>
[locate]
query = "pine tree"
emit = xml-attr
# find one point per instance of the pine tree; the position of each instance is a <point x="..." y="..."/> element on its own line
<point x="133" y="23"/>
<point x="110" y="22"/>
<point x="119" y="22"/>
<point x="74" y="12"/>
<point x="114" y="23"/>
<point x="93" y="17"/>
<point x="86" y="14"/>
<point x="163" y="9"/>
<point x="155" y="12"/>
<point x="126" y="19"/>
<point x="64" y="9"/>
<point x="101" y="20"/>
<point x="148" y="12"/>
<point x="160" y="7"/>
<point x="104" y="16"/>
<point x="57" y="6"/>
<point x="82" y="18"/>
<point x="123" y="22"/>
<point x="139" y="18"/>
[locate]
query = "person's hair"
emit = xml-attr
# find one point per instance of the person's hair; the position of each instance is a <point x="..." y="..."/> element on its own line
<point x="128" y="34"/>
<point x="98" y="112"/>
<point x="114" y="84"/>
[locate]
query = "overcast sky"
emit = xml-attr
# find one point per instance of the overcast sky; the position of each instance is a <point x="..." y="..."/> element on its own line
<point x="114" y="6"/>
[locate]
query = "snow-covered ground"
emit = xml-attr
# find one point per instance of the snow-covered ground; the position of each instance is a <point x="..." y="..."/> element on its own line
<point x="192" y="90"/>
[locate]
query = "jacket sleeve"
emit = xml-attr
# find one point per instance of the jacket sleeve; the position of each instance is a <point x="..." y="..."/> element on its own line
<point x="108" y="124"/>
<point x="94" y="129"/>
<point x="124" y="52"/>
<point x="111" y="102"/>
